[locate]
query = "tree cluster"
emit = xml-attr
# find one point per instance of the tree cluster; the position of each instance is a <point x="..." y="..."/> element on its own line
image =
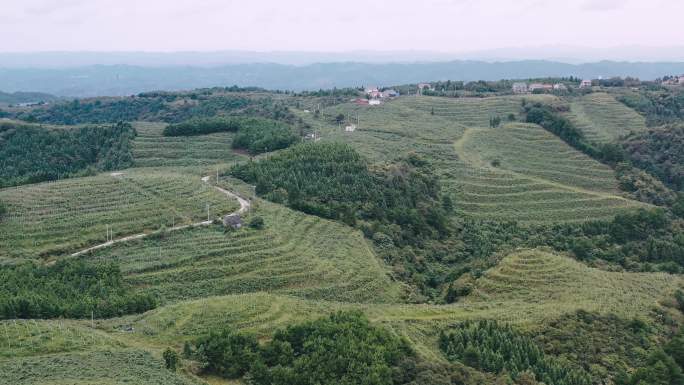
<point x="343" y="348"/>
<point x="71" y="289"/>
<point x="494" y="347"/>
<point x="332" y="180"/>
<point x="30" y="154"/>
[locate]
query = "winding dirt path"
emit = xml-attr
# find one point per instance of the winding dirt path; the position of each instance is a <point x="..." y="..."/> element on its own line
<point x="244" y="206"/>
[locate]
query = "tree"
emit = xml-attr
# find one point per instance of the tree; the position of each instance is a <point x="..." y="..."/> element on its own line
<point x="171" y="359"/>
<point x="256" y="223"/>
<point x="339" y="118"/>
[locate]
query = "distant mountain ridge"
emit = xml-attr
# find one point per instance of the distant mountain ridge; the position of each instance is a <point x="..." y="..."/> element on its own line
<point x="117" y="80"/>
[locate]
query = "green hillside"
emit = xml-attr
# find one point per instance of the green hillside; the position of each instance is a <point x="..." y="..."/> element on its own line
<point x="427" y="214"/>
<point x="64" y="216"/>
<point x="603" y="119"/>
<point x="152" y="149"/>
<point x="296" y="254"/>
<point x="512" y="172"/>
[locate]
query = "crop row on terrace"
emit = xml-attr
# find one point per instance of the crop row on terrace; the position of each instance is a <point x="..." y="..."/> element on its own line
<point x="513" y="172"/>
<point x="152" y="149"/>
<point x="603" y="119"/>
<point x="64" y="216"/>
<point x="529" y="287"/>
<point x="295" y="254"/>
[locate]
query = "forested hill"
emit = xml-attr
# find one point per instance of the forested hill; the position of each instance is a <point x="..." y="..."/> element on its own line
<point x="30" y="153"/>
<point x="117" y="80"/>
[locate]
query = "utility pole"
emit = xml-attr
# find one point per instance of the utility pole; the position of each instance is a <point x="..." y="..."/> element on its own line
<point x="207" y="211"/>
<point x="217" y="178"/>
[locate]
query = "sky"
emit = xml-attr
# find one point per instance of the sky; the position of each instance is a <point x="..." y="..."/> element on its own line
<point x="335" y="26"/>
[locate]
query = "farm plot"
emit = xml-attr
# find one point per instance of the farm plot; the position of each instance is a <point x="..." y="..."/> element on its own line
<point x="528" y="287"/>
<point x="521" y="172"/>
<point x="295" y="254"/>
<point x="603" y="119"/>
<point x="60" y="217"/>
<point x="515" y="172"/>
<point x="152" y="149"/>
<point x="105" y="367"/>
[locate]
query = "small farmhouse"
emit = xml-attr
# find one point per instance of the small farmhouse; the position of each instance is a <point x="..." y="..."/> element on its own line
<point x="539" y="86"/>
<point x="350" y="128"/>
<point x="520" y="88"/>
<point x="374" y="102"/>
<point x="681" y="80"/>
<point x="586" y="83"/>
<point x="560" y="87"/>
<point x="390" y="94"/>
<point x="232" y="220"/>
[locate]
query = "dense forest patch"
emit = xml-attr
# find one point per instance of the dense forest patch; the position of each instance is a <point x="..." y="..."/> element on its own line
<point x="603" y="345"/>
<point x="165" y="107"/>
<point x="30" y="154"/>
<point x="494" y="347"/>
<point x="343" y="348"/>
<point x="202" y="126"/>
<point x="660" y="151"/>
<point x="658" y="105"/>
<point x="69" y="288"/>
<point x="332" y="180"/>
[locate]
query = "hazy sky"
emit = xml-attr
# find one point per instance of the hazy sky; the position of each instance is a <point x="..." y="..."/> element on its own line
<point x="341" y="25"/>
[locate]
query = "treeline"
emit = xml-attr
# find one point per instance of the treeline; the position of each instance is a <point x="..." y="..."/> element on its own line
<point x="343" y="348"/>
<point x="660" y="152"/>
<point x="30" y="154"/>
<point x="70" y="289"/>
<point x="399" y="201"/>
<point x="550" y="118"/>
<point x="659" y="105"/>
<point x="164" y="107"/>
<point x="256" y="135"/>
<point x="202" y="126"/>
<point x="622" y="156"/>
<point x="585" y="339"/>
<point x="264" y="137"/>
<point x="494" y="347"/>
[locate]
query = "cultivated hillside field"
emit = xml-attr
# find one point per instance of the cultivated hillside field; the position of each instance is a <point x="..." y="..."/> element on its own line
<point x="512" y="172"/>
<point x="488" y="184"/>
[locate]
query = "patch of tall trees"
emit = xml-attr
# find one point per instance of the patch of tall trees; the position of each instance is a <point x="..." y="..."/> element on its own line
<point x="402" y="200"/>
<point x="660" y="152"/>
<point x="495" y="347"/>
<point x="343" y="348"/>
<point x="71" y="289"/>
<point x="659" y="105"/>
<point x="165" y="107"/>
<point x="30" y="154"/>
<point x="256" y="135"/>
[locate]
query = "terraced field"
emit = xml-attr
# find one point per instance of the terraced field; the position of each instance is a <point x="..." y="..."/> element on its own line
<point x="64" y="216"/>
<point x="603" y="119"/>
<point x="522" y="172"/>
<point x="296" y="254"/>
<point x="528" y="287"/>
<point x="152" y="149"/>
<point x="515" y="172"/>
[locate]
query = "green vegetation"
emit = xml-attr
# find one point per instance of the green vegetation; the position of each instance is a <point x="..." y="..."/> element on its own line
<point x="61" y="217"/>
<point x="263" y="137"/>
<point x="70" y="289"/>
<point x="294" y="254"/>
<point x="152" y="149"/>
<point x="343" y="348"/>
<point x="658" y="105"/>
<point x="165" y="107"/>
<point x="30" y="154"/>
<point x="494" y="347"/>
<point x="603" y="345"/>
<point x="660" y="151"/>
<point x="334" y="181"/>
<point x="602" y="119"/>
<point x="202" y="126"/>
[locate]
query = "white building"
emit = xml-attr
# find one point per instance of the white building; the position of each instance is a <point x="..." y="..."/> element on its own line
<point x="374" y="102"/>
<point x="350" y="128"/>
<point x="586" y="83"/>
<point x="519" y="88"/>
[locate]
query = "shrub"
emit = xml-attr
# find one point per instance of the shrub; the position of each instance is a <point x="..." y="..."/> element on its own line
<point x="256" y="223"/>
<point x="171" y="359"/>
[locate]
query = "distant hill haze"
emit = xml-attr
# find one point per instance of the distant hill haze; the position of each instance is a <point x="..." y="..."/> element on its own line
<point x="116" y="80"/>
